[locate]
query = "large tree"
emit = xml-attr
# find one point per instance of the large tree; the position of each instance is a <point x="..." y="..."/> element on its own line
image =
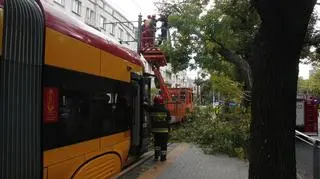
<point x="276" y="54"/>
<point x="226" y="33"/>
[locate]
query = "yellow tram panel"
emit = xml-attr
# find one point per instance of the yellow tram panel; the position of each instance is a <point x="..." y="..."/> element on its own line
<point x="65" y="169"/>
<point x="68" y="152"/>
<point x="102" y="167"/>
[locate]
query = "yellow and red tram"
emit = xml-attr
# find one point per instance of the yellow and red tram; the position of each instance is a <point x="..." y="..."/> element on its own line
<point x="92" y="92"/>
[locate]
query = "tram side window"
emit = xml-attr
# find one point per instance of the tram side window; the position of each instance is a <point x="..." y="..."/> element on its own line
<point x="123" y="111"/>
<point x="90" y="107"/>
<point x="75" y="122"/>
<point x="102" y="110"/>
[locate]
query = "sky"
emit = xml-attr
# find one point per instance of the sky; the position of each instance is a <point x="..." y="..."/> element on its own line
<point x="304" y="70"/>
<point x="132" y="8"/>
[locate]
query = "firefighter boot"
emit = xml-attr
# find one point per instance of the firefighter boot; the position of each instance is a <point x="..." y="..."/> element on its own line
<point x="163" y="155"/>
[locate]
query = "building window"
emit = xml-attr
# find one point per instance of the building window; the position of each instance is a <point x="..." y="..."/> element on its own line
<point x="128" y="37"/>
<point x="113" y="29"/>
<point x="76" y="6"/>
<point x="60" y="2"/>
<point x="90" y="16"/>
<point x="120" y="34"/>
<point x="103" y="21"/>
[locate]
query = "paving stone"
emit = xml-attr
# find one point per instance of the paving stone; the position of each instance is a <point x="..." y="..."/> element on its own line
<point x="195" y="164"/>
<point x="192" y="163"/>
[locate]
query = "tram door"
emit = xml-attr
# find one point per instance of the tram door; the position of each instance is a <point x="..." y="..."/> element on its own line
<point x="146" y="124"/>
<point x="140" y="122"/>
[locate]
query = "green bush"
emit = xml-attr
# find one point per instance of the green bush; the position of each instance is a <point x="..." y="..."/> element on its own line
<point x="221" y="133"/>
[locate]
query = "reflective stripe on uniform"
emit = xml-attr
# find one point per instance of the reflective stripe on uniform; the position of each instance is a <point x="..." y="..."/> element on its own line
<point x="158" y="114"/>
<point x="160" y="130"/>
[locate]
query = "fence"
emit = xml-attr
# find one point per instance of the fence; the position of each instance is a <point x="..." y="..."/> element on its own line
<point x="307" y="156"/>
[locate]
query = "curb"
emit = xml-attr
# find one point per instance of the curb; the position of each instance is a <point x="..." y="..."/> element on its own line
<point x="143" y="158"/>
<point x="146" y="156"/>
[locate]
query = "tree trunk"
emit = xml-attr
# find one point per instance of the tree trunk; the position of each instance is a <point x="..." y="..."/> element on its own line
<point x="275" y="71"/>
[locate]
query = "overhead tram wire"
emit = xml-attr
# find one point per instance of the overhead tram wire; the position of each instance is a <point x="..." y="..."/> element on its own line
<point x="124" y="24"/>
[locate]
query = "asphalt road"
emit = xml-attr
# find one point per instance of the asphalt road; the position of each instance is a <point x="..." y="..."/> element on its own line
<point x="304" y="158"/>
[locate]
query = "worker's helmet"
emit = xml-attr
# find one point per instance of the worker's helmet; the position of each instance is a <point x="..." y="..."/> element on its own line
<point x="158" y="100"/>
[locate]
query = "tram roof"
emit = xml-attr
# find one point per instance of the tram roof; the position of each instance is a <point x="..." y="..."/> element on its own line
<point x="68" y="25"/>
<point x="62" y="22"/>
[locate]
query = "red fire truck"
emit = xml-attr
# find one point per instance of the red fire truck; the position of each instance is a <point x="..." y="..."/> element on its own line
<point x="307" y="116"/>
<point x="180" y="104"/>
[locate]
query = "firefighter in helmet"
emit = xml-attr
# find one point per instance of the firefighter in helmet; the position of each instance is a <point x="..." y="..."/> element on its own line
<point x="160" y="118"/>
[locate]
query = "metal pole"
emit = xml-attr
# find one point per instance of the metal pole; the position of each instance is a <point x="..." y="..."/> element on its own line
<point x="139" y="33"/>
<point x="316" y="164"/>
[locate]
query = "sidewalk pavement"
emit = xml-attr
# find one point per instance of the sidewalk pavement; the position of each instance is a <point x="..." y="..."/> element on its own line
<point x="186" y="161"/>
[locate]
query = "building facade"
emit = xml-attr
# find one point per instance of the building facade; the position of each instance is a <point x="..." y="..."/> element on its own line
<point x="176" y="80"/>
<point x="101" y="16"/>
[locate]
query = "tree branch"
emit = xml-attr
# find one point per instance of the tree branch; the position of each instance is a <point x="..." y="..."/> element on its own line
<point x="246" y="95"/>
<point x="314" y="40"/>
<point x="219" y="43"/>
<point x="239" y="62"/>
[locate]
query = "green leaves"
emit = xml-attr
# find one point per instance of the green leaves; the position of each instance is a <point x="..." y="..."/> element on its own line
<point x="223" y="83"/>
<point x="225" y="133"/>
<point x="200" y="33"/>
<point x="312" y="41"/>
<point x="312" y="85"/>
<point x="228" y="88"/>
<point x="178" y="56"/>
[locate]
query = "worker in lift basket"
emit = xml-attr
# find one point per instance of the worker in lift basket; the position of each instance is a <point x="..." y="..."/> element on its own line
<point x="160" y="118"/>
